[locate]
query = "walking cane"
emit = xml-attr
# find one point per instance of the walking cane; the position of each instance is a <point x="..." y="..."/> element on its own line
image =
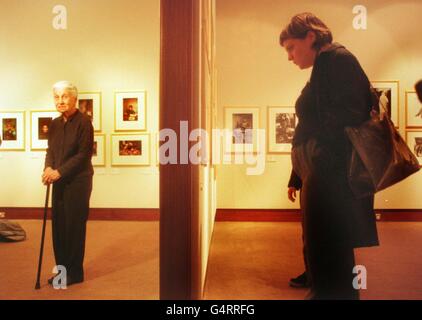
<point x="47" y="196"/>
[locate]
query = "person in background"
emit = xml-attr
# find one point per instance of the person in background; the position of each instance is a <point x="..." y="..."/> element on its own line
<point x="418" y="88"/>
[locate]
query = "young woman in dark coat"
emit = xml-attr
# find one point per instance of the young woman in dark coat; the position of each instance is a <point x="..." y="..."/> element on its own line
<point x="337" y="96"/>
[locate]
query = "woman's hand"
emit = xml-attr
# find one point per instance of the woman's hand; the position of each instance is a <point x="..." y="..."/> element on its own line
<point x="50" y="176"/>
<point x="291" y="193"/>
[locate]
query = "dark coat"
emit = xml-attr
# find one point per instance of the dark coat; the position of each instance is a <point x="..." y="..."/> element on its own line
<point x="337" y="96"/>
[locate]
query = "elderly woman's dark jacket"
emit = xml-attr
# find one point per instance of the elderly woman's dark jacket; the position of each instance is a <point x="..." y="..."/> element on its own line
<point x="337" y="96"/>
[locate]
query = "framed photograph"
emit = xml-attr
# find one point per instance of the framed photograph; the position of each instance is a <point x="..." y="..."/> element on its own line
<point x="282" y="122"/>
<point x="130" y="149"/>
<point x="99" y="151"/>
<point x="414" y="141"/>
<point x="242" y="124"/>
<point x="130" y="111"/>
<point x="12" y="130"/>
<point x="388" y="93"/>
<point x="413" y="110"/>
<point x="40" y="125"/>
<point x="89" y="103"/>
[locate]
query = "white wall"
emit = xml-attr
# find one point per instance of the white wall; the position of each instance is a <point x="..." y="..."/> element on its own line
<point x="110" y="45"/>
<point x="253" y="71"/>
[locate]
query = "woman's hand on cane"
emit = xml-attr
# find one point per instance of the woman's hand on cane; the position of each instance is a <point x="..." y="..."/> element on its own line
<point x="49" y="176"/>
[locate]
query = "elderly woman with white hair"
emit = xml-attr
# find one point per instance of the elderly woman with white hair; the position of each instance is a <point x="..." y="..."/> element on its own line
<point x="68" y="167"/>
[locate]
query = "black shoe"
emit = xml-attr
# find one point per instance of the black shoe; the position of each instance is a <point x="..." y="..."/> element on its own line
<point x="50" y="281"/>
<point x="71" y="280"/>
<point x="300" y="281"/>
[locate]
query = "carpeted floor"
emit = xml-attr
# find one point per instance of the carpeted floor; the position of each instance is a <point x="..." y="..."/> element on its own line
<point x="247" y="261"/>
<point x="121" y="262"/>
<point x="255" y="261"/>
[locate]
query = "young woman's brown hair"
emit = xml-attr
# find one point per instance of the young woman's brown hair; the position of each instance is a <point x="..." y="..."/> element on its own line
<point x="301" y="24"/>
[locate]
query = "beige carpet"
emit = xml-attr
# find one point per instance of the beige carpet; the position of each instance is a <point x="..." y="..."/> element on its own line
<point x="247" y="261"/>
<point x="255" y="261"/>
<point x="121" y="262"/>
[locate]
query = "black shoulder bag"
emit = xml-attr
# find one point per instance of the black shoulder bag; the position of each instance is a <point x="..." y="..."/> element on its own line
<point x="380" y="156"/>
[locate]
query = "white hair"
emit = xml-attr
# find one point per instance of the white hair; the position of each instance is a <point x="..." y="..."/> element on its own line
<point x="66" y="85"/>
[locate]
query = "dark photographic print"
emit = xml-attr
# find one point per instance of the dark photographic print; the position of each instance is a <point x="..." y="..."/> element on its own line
<point x="241" y="123"/>
<point x="418" y="146"/>
<point x="94" y="149"/>
<point x="413" y="111"/>
<point x="98" y="151"/>
<point x="384" y="96"/>
<point x="282" y="122"/>
<point x="130" y="109"/>
<point x="388" y="94"/>
<point x="285" y="127"/>
<point x="414" y="142"/>
<point x="12" y="130"/>
<point x="43" y="126"/>
<point x="86" y="106"/>
<point x="130" y="148"/>
<point x="9" y="129"/>
<point x="89" y="103"/>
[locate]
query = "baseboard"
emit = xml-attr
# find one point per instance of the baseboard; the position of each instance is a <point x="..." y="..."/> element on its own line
<point x="110" y="214"/>
<point x="252" y="215"/>
<point x="293" y="215"/>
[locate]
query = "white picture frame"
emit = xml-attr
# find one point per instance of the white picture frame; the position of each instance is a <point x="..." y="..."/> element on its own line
<point x="41" y="119"/>
<point x="130" y="111"/>
<point x="130" y="150"/>
<point x="12" y="130"/>
<point x="281" y="125"/>
<point x="99" y="151"/>
<point x="388" y="92"/>
<point x="413" y="111"/>
<point x="414" y="141"/>
<point x="242" y="124"/>
<point x="90" y="103"/>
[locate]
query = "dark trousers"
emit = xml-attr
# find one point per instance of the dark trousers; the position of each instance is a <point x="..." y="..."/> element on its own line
<point x="330" y="269"/>
<point x="331" y="221"/>
<point x="69" y="217"/>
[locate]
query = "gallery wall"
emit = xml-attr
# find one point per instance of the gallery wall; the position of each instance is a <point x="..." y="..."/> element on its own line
<point x="253" y="71"/>
<point x="108" y="46"/>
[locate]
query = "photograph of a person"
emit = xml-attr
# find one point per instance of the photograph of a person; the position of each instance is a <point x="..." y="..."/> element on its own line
<point x="43" y="125"/>
<point x="414" y="142"/>
<point x="40" y="128"/>
<point x="130" y="147"/>
<point x="418" y="146"/>
<point x="94" y="149"/>
<point x="384" y="95"/>
<point x="130" y="109"/>
<point x="9" y="129"/>
<point x="89" y="103"/>
<point x="281" y="126"/>
<point x="86" y="106"/>
<point x="98" y="151"/>
<point x="388" y="95"/>
<point x="241" y="123"/>
<point x="285" y="127"/>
